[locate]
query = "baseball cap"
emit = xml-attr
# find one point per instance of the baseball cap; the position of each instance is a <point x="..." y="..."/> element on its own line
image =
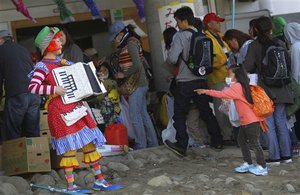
<point x="115" y="28"/>
<point x="4" y="33"/>
<point x="212" y="16"/>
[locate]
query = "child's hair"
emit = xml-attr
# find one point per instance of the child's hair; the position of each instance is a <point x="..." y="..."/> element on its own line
<point x="168" y="36"/>
<point x="242" y="77"/>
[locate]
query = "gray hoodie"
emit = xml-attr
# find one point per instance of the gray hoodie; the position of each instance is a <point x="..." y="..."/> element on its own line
<point x="181" y="46"/>
<point x="292" y="35"/>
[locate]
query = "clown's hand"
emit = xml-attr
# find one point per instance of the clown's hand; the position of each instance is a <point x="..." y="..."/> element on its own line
<point x="60" y="91"/>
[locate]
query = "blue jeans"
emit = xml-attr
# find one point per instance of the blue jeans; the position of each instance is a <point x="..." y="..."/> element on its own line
<point x="21" y="116"/>
<point x="145" y="135"/>
<point x="278" y="134"/>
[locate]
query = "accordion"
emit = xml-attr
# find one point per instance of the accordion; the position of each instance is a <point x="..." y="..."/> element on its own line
<point x="80" y="81"/>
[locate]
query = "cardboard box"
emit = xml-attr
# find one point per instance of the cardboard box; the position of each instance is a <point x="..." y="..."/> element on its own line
<point x="26" y="155"/>
<point x="46" y="133"/>
<point x="55" y="160"/>
<point x="44" y="120"/>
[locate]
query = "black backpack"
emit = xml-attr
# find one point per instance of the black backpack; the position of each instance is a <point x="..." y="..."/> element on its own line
<point x="276" y="66"/>
<point x="200" y="55"/>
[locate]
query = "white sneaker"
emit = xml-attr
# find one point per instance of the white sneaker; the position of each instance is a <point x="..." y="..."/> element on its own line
<point x="243" y="168"/>
<point x="259" y="170"/>
<point x="287" y="161"/>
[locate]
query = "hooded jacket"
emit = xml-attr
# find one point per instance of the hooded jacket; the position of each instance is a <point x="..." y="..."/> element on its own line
<point x="219" y="62"/>
<point x="292" y="34"/>
<point x="279" y="23"/>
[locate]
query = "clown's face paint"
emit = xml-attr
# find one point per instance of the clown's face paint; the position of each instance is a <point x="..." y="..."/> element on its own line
<point x="55" y="44"/>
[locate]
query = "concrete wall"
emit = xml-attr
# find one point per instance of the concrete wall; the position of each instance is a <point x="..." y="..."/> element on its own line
<point x="46" y="8"/>
<point x="161" y="76"/>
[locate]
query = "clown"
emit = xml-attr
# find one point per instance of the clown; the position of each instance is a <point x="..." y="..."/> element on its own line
<point x="66" y="139"/>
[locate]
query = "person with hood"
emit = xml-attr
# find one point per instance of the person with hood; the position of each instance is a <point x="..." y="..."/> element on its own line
<point x="278" y="25"/>
<point x="292" y="37"/>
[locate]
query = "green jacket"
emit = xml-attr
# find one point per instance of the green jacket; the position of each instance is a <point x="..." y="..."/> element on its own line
<point x="292" y="108"/>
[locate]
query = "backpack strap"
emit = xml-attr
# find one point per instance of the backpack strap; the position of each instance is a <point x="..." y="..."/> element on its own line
<point x="191" y="46"/>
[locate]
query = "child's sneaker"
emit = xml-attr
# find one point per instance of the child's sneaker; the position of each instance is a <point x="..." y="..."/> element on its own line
<point x="243" y="168"/>
<point x="259" y="170"/>
<point x="104" y="186"/>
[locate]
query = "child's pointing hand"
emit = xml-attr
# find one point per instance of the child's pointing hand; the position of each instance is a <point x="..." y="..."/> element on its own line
<point x="199" y="91"/>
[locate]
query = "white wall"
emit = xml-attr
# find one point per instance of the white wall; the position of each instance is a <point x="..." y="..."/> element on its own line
<point x="241" y="7"/>
<point x="280" y="7"/>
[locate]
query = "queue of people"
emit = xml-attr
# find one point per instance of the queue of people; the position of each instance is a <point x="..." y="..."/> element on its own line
<point x="237" y="62"/>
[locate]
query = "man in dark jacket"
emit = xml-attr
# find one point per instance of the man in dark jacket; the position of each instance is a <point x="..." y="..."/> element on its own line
<point x="21" y="109"/>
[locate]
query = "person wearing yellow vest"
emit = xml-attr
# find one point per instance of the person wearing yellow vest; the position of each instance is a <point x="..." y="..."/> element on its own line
<point x="216" y="80"/>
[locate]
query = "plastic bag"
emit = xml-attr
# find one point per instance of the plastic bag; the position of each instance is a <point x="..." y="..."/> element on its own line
<point x="124" y="116"/>
<point x="233" y="115"/>
<point x="224" y="106"/>
<point x="169" y="133"/>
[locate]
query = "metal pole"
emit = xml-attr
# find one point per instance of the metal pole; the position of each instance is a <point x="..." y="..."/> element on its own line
<point x="233" y="14"/>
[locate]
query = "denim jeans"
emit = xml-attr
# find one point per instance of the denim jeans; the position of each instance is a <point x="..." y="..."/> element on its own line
<point x="278" y="134"/>
<point x="184" y="94"/>
<point x="145" y="135"/>
<point x="21" y="116"/>
<point x="249" y="136"/>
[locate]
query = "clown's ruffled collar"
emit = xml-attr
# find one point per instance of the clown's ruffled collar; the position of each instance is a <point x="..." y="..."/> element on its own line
<point x="57" y="61"/>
